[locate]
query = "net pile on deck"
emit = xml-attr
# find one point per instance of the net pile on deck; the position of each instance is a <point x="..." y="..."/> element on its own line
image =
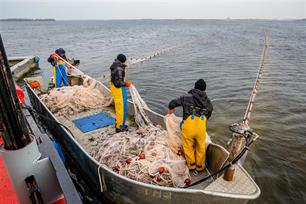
<point x="149" y="153"/>
<point x="70" y="100"/>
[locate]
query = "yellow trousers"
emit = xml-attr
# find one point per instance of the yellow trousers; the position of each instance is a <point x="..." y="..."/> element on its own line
<point x="54" y="75"/>
<point x="120" y="99"/>
<point x="194" y="141"/>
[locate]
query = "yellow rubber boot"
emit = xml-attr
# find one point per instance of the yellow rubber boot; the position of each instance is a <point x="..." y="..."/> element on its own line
<point x="120" y="99"/>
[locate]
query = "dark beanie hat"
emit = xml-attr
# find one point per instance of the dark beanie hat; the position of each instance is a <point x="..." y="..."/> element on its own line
<point x="121" y="58"/>
<point x="200" y="84"/>
<point x="60" y="51"/>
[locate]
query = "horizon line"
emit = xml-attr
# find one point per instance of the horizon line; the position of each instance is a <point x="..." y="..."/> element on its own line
<point x="110" y="19"/>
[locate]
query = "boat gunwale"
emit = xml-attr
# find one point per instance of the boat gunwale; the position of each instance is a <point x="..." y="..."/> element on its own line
<point x="146" y="185"/>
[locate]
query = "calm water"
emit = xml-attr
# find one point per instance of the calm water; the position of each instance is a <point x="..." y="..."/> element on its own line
<point x="226" y="54"/>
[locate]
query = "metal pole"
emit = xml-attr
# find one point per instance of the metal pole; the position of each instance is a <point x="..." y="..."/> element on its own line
<point x="15" y="132"/>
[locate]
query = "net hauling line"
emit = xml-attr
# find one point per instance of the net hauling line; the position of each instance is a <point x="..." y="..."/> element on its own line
<point x="156" y="53"/>
<point x="242" y="132"/>
<point x="247" y="115"/>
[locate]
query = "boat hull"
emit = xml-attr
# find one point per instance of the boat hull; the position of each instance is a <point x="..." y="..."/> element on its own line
<point x="116" y="188"/>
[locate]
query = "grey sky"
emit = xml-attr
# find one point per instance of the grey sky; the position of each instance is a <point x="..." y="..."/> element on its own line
<point x="160" y="9"/>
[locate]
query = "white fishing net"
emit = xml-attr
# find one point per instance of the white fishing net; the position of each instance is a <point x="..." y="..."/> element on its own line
<point x="135" y="60"/>
<point x="145" y="153"/>
<point x="149" y="153"/>
<point x="70" y="100"/>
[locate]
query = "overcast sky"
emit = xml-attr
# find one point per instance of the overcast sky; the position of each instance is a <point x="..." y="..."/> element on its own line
<point x="156" y="9"/>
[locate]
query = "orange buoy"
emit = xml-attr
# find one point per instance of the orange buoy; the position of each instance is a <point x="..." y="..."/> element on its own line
<point x="142" y="155"/>
<point x="161" y="169"/>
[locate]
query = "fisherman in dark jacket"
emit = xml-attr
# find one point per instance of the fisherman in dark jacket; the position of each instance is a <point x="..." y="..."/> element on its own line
<point x="197" y="108"/>
<point x="118" y="90"/>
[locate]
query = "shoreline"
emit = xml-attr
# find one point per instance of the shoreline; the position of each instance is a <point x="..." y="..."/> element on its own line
<point x="28" y="19"/>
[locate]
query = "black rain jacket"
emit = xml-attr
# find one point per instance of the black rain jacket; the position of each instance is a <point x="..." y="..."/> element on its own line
<point x="196" y="101"/>
<point x="117" y="73"/>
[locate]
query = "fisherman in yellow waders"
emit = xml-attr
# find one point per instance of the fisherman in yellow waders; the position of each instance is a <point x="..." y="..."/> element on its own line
<point x="197" y="108"/>
<point x="118" y="90"/>
<point x="59" y="68"/>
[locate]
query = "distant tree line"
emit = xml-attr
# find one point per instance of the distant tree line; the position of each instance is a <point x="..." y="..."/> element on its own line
<point x="28" y="19"/>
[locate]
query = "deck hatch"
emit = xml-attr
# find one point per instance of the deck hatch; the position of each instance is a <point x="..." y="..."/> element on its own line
<point x="94" y="122"/>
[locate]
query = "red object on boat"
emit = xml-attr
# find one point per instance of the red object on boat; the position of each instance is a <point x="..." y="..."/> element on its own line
<point x="141" y="155"/>
<point x="128" y="161"/>
<point x="117" y="168"/>
<point x="60" y="201"/>
<point x="20" y="94"/>
<point x="161" y="169"/>
<point x="187" y="181"/>
<point x="34" y="84"/>
<point x="7" y="192"/>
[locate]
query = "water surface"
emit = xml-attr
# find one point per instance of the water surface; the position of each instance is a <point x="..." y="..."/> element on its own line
<point x="226" y="54"/>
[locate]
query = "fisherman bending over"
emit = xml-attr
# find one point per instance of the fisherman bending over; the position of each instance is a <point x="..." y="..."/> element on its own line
<point x="197" y="108"/>
<point x="59" y="68"/>
<point x="118" y="91"/>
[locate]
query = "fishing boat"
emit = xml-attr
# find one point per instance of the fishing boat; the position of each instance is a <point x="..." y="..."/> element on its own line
<point x="119" y="189"/>
<point x="21" y="66"/>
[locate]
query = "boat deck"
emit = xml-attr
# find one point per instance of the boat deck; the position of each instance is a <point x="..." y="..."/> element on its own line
<point x="241" y="185"/>
<point x="199" y="176"/>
